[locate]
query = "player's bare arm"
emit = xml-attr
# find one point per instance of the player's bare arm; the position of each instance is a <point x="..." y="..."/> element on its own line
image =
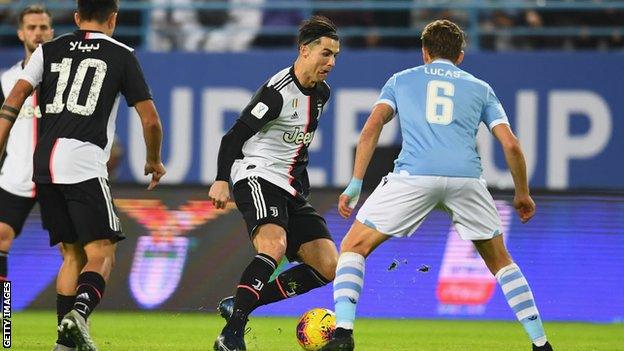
<point x="10" y="109"/>
<point x="381" y="114"/>
<point x="152" y="133"/>
<point x="517" y="166"/>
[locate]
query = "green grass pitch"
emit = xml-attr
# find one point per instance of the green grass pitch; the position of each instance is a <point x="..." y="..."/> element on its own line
<point x="117" y="331"/>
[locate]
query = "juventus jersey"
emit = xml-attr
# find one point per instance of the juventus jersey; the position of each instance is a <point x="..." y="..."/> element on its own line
<point x="80" y="77"/>
<point x="17" y="169"/>
<point x="284" y="116"/>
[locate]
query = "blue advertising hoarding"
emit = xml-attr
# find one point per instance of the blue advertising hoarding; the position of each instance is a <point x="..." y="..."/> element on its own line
<point x="183" y="255"/>
<point x="566" y="108"/>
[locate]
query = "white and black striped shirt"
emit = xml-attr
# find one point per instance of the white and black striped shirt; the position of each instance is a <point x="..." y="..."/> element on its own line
<point x="80" y="77"/>
<point x="284" y="116"/>
<point x="17" y="168"/>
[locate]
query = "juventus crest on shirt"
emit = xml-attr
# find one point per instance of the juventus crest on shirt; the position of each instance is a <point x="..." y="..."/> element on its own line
<point x="80" y="76"/>
<point x="284" y="116"/>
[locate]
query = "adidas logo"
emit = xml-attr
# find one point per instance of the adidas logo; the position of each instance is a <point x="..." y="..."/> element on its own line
<point x="83" y="296"/>
<point x="294" y="115"/>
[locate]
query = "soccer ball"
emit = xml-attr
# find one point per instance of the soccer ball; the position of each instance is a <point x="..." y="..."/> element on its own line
<point x="315" y="328"/>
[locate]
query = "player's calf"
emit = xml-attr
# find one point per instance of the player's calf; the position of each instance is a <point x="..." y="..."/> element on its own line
<point x="520" y="299"/>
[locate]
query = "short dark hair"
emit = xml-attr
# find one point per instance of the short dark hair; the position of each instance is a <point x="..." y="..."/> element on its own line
<point x="315" y="28"/>
<point x="97" y="10"/>
<point x="32" y="9"/>
<point x="443" y="39"/>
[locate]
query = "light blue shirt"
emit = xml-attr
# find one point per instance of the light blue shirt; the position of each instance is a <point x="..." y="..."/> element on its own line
<point x="440" y="107"/>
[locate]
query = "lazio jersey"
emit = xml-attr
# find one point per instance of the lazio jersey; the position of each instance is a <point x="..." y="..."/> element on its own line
<point x="440" y="108"/>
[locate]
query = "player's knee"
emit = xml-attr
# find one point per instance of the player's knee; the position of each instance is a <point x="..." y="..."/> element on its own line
<point x="271" y="240"/>
<point x="357" y="245"/>
<point x="328" y="268"/>
<point x="6" y="237"/>
<point x="73" y="254"/>
<point x="276" y="248"/>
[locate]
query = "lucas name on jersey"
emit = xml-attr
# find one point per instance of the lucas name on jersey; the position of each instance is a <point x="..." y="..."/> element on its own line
<point x="441" y="72"/>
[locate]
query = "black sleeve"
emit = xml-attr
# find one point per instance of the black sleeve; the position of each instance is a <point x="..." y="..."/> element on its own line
<point x="264" y="107"/>
<point x="133" y="85"/>
<point x="231" y="148"/>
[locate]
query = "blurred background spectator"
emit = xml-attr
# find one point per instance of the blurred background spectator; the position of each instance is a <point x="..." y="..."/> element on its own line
<point x="237" y="25"/>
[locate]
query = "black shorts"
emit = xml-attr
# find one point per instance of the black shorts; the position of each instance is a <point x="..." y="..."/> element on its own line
<point x="79" y="213"/>
<point x="262" y="202"/>
<point x="14" y="210"/>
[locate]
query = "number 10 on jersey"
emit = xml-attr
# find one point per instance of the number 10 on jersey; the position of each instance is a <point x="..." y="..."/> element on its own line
<point x="73" y="106"/>
<point x="439" y="102"/>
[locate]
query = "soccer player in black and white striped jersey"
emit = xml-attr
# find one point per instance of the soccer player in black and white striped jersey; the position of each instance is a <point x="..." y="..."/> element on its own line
<point x="80" y="77"/>
<point x="265" y="155"/>
<point x="17" y="190"/>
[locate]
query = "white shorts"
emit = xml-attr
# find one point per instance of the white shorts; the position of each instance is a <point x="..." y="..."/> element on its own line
<point x="400" y="203"/>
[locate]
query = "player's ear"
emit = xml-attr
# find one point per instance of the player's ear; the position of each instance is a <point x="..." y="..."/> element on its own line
<point x="77" y="19"/>
<point x="304" y="50"/>
<point x="460" y="58"/>
<point x="425" y="55"/>
<point x="20" y="34"/>
<point x="112" y="20"/>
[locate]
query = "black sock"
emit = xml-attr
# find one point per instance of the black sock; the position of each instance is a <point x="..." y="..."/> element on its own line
<point x="4" y="265"/>
<point x="248" y="290"/>
<point x="64" y="304"/>
<point x="292" y="282"/>
<point x="88" y="293"/>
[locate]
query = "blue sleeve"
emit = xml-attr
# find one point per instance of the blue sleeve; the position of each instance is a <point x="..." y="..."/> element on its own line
<point x="493" y="112"/>
<point x="387" y="95"/>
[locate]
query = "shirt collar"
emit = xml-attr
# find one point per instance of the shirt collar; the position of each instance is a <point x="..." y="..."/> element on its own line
<point x="445" y="61"/>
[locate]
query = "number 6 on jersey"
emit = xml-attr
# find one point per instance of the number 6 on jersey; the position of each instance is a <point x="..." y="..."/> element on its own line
<point x="444" y="101"/>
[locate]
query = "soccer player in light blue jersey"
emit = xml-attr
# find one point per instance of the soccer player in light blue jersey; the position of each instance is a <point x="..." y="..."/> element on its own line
<point x="440" y="108"/>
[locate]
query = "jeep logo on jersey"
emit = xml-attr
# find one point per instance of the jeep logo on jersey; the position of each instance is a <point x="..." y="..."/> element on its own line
<point x="260" y="110"/>
<point x="299" y="137"/>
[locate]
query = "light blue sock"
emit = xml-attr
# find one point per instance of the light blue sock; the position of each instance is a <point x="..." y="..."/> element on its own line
<point x="347" y="287"/>
<point x="520" y="299"/>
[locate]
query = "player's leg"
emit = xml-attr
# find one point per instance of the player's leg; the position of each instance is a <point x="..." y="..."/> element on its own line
<point x="256" y="199"/>
<point x="13" y="213"/>
<point x="96" y="225"/>
<point x="397" y="207"/>
<point x="270" y="242"/>
<point x="308" y="242"/>
<point x="74" y="260"/>
<point x="476" y="218"/>
<point x="318" y="267"/>
<point x="360" y="241"/>
<point x="7" y="234"/>
<point x="57" y="221"/>
<point x="515" y="287"/>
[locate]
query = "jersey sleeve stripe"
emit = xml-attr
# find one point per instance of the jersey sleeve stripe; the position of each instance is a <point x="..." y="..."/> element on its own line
<point x="502" y="120"/>
<point x="387" y="102"/>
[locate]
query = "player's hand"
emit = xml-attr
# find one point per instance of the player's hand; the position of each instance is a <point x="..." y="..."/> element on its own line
<point x="349" y="197"/>
<point x="525" y="207"/>
<point x="219" y="193"/>
<point x="157" y="170"/>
